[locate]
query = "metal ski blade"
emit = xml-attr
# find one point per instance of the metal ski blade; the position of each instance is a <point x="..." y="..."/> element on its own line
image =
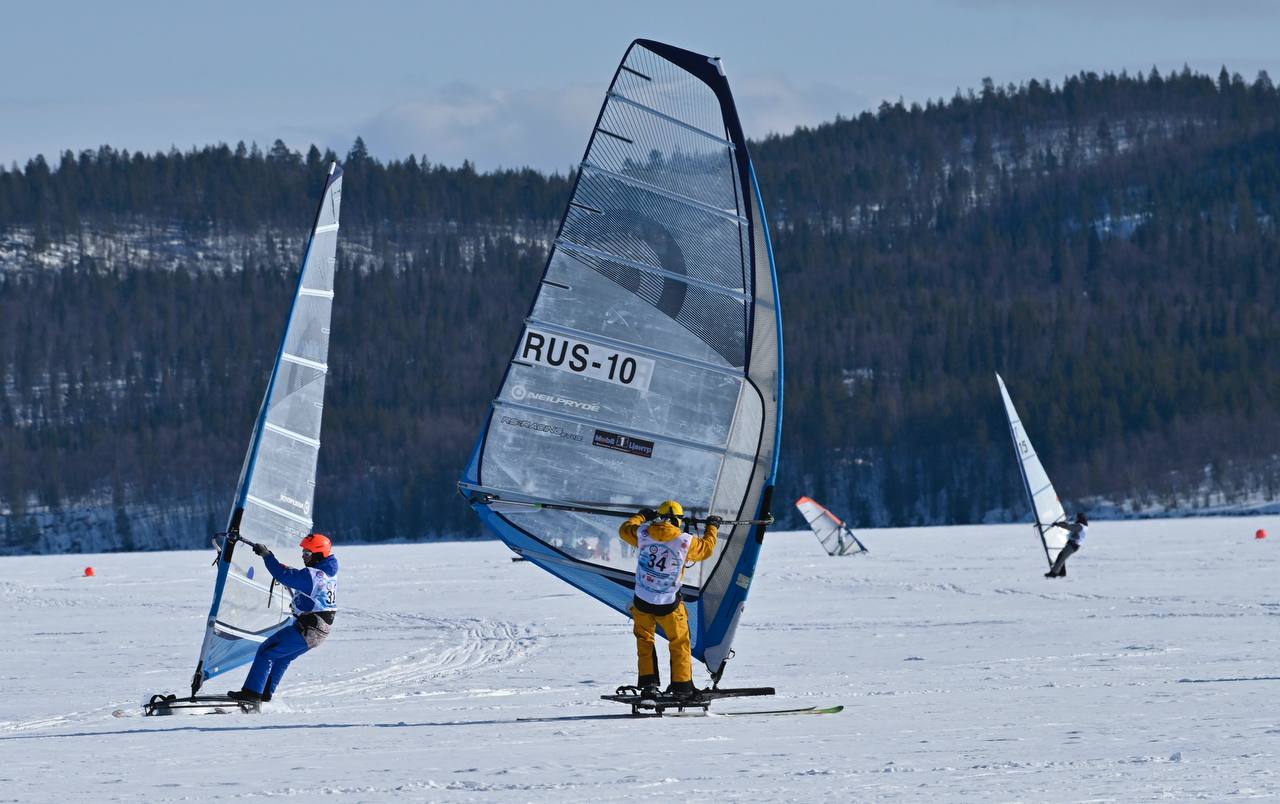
<point x="806" y="710"/>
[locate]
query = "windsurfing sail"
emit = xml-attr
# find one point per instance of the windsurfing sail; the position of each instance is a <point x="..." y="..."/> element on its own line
<point x="1045" y="505"/>
<point x="836" y="537"/>
<point x="278" y="479"/>
<point x="650" y="364"/>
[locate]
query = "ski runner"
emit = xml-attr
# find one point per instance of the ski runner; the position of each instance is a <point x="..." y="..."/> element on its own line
<point x="314" y="605"/>
<point x="662" y="550"/>
<point x="1076" y="531"/>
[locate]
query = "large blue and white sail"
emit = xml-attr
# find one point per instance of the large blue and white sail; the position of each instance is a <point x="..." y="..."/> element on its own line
<point x="1045" y="505"/>
<point x="277" y="482"/>
<point x="649" y="366"/>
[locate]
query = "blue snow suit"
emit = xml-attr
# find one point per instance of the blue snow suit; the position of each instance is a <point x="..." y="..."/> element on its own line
<point x="314" y="603"/>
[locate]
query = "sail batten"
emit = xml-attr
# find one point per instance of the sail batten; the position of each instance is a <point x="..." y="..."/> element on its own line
<point x="653" y="188"/>
<point x="733" y="292"/>
<point x="287" y="433"/>
<point x="275" y="509"/>
<point x="649" y="366"/>
<point x="276" y="490"/>
<point x="629" y="431"/>
<point x="675" y="121"/>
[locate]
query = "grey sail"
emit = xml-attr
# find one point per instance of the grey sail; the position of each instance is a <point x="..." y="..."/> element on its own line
<point x="649" y="366"/>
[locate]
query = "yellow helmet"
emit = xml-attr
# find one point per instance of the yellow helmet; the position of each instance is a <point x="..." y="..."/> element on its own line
<point x="671" y="507"/>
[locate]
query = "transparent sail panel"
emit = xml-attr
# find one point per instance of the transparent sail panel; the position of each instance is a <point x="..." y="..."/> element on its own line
<point x="644" y="371"/>
<point x="596" y="294"/>
<point x="1045" y="505"/>
<point x="655" y="82"/>
<point x="277" y="485"/>
<point x="666" y="154"/>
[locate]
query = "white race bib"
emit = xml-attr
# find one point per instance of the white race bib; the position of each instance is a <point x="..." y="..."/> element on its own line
<point x="659" y="567"/>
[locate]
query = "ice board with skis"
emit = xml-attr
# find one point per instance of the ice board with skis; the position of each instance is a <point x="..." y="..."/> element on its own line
<point x="276" y="490"/>
<point x="701" y="700"/>
<point x="160" y="705"/>
<point x="834" y="536"/>
<point x="1046" y="508"/>
<point x="650" y="364"/>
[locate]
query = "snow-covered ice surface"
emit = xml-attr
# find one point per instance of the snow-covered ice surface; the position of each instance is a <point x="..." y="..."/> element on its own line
<point x="1151" y="672"/>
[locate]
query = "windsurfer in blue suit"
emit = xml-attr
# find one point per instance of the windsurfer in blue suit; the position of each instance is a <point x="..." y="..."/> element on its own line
<point x="314" y="604"/>
<point x="1076" y="531"/>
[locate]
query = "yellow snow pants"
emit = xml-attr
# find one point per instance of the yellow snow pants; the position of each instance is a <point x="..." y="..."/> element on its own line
<point x="676" y="626"/>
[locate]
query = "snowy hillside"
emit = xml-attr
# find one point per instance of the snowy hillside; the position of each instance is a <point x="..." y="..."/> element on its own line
<point x="1149" y="673"/>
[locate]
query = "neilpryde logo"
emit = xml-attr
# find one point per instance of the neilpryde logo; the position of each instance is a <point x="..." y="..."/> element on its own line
<point x="305" y="507"/>
<point x="520" y="393"/>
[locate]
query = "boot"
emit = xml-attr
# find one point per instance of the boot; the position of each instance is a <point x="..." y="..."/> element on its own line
<point x="249" y="696"/>
<point x="682" y="691"/>
<point x="266" y="696"/>
<point x="650" y="686"/>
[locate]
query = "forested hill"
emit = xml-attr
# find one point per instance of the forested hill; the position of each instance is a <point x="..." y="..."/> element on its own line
<point x="1109" y="244"/>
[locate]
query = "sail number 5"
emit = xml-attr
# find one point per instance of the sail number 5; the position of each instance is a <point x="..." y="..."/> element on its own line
<point x="587" y="359"/>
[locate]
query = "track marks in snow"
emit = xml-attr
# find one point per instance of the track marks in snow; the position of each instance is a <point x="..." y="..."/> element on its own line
<point x="1050" y="595"/>
<point x="17" y="596"/>
<point x="449" y="647"/>
<point x="55" y="721"/>
<point x="417" y="788"/>
<point x="51" y="722"/>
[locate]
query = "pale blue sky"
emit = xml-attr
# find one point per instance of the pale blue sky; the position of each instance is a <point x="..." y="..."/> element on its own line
<point x="519" y="83"/>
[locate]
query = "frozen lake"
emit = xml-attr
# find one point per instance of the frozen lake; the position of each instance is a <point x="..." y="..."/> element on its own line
<point x="1151" y="672"/>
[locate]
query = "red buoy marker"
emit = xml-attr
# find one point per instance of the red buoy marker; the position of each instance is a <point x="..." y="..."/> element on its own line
<point x="1261" y="534"/>
<point x="88" y="571"/>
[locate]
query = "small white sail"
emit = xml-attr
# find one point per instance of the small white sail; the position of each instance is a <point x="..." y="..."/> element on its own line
<point x="834" y="536"/>
<point x="278" y="479"/>
<point x="1045" y="505"/>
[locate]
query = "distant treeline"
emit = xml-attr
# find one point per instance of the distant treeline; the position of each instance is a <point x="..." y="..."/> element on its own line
<point x="1109" y="244"/>
<point x="240" y="188"/>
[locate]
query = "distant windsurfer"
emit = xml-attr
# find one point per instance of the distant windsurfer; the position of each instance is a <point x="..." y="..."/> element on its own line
<point x="662" y="550"/>
<point x="314" y="604"/>
<point x="1076" y="531"/>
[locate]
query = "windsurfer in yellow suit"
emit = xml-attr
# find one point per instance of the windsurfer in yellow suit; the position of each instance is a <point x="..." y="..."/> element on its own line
<point x="662" y="550"/>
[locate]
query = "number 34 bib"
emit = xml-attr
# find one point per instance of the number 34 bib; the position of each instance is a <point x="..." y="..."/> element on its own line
<point x="659" y="566"/>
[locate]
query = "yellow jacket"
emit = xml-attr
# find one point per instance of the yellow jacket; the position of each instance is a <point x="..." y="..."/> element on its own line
<point x="700" y="548"/>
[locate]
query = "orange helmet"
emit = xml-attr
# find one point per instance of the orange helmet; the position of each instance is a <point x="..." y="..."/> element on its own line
<point x="317" y="543"/>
